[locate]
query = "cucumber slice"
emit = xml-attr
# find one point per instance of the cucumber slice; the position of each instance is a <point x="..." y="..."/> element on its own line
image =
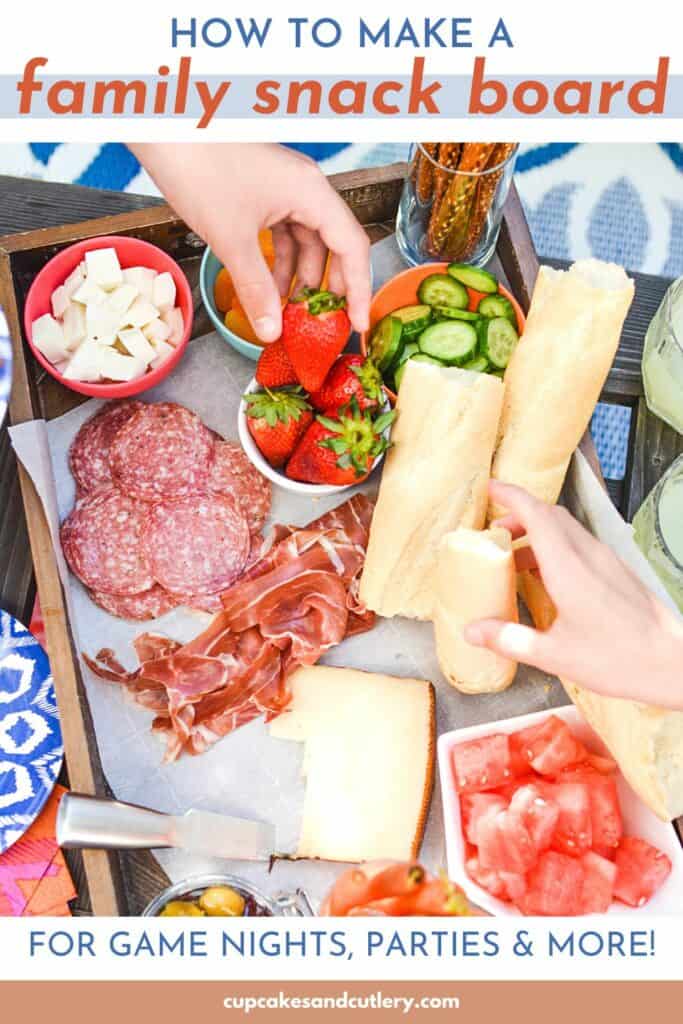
<point x="474" y="277"/>
<point x="451" y="313"/>
<point x="407" y="352"/>
<point x="414" y="319"/>
<point x="477" y="365"/>
<point x="497" y="305"/>
<point x="442" y="290"/>
<point x="451" y="341"/>
<point x="385" y="342"/>
<point x="498" y="339"/>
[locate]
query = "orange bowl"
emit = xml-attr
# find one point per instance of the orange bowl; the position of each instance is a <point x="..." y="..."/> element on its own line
<point x="401" y="290"/>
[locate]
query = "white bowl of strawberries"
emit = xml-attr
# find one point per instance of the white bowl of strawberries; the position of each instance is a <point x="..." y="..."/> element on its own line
<point x="315" y="419"/>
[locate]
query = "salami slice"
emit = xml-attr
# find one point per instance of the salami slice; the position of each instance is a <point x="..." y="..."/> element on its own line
<point x="163" y="451"/>
<point x="233" y="473"/>
<point x="89" y="452"/>
<point x="210" y="603"/>
<point x="102" y="542"/>
<point x="150" y="604"/>
<point x="197" y="545"/>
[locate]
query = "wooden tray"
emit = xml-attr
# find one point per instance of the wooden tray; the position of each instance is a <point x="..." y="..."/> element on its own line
<point x="109" y="883"/>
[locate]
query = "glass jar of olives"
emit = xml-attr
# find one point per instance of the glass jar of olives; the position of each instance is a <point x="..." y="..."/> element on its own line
<point x="225" y="896"/>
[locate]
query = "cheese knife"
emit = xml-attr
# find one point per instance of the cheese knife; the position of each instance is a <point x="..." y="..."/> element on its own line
<point x="87" y="822"/>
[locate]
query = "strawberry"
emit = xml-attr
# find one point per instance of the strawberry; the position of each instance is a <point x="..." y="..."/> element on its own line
<point x="277" y="420"/>
<point x="315" y="329"/>
<point x="340" y="447"/>
<point x="274" y="368"/>
<point x="350" y="375"/>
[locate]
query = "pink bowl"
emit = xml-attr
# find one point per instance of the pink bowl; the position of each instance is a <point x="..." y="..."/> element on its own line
<point x="132" y="252"/>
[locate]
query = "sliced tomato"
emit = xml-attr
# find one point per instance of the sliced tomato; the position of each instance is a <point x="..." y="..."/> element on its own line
<point x="573" y="832"/>
<point x="473" y="806"/>
<point x="505" y="844"/>
<point x="597" y="890"/>
<point x="482" y="764"/>
<point x="486" y="878"/>
<point x="548" y="747"/>
<point x="606" y="822"/>
<point x="539" y="815"/>
<point x="641" y="870"/>
<point x="554" y="886"/>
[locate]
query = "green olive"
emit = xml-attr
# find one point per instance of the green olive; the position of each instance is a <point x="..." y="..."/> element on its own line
<point x="222" y="901"/>
<point x="182" y="908"/>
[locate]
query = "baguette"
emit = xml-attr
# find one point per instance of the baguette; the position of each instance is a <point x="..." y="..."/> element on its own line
<point x="556" y="373"/>
<point x="435" y="479"/>
<point x="475" y="579"/>
<point x="647" y="742"/>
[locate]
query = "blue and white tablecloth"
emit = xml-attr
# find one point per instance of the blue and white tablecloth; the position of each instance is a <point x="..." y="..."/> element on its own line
<point x="621" y="202"/>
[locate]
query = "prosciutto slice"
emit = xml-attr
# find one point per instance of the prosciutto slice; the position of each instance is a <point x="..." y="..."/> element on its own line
<point x="298" y="599"/>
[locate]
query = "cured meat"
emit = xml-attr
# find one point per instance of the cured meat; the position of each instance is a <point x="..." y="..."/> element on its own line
<point x="162" y="451"/>
<point x="150" y="604"/>
<point x="294" y="603"/>
<point x="102" y="542"/>
<point x="210" y="603"/>
<point x="89" y="452"/>
<point x="198" y="544"/>
<point x="232" y="473"/>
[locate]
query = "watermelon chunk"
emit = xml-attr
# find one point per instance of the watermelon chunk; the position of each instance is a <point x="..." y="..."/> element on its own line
<point x="485" y="877"/>
<point x="548" y="746"/>
<point x="482" y="764"/>
<point x="505" y="844"/>
<point x="573" y="833"/>
<point x="641" y="869"/>
<point x="554" y="886"/>
<point x="539" y="815"/>
<point x="597" y="890"/>
<point x="515" y="886"/>
<point x="606" y="822"/>
<point x="473" y="806"/>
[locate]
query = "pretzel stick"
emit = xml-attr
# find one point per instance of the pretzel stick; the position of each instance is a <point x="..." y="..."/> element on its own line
<point x="425" y="171"/>
<point x="486" y="192"/>
<point x="459" y="197"/>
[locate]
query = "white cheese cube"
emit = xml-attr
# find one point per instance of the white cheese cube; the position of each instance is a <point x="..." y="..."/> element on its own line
<point x="74" y="325"/>
<point x="163" y="351"/>
<point x="59" y="300"/>
<point x="156" y="331"/>
<point x="115" y="366"/>
<point x="104" y="268"/>
<point x="90" y="293"/>
<point x="163" y="292"/>
<point x="48" y="337"/>
<point x="84" y="363"/>
<point x="100" y="320"/>
<point x="174" y="319"/>
<point x="141" y="278"/>
<point x="136" y="344"/>
<point x="107" y="339"/>
<point x="139" y="314"/>
<point x="122" y="298"/>
<point x="74" y="280"/>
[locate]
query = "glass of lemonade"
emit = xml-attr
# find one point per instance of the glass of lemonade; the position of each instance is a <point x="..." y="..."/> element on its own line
<point x="658" y="530"/>
<point x="663" y="359"/>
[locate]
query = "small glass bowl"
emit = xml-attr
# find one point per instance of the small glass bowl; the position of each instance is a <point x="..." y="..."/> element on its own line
<point x="296" y="904"/>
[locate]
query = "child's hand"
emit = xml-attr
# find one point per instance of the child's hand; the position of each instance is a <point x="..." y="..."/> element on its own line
<point x="611" y="634"/>
<point x="228" y="193"/>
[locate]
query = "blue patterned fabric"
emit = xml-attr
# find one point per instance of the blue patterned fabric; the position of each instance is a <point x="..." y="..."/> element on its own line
<point x="31" y="749"/>
<point x="617" y="202"/>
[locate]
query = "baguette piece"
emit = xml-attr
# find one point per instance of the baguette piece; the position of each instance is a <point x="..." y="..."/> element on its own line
<point x="647" y="742"/>
<point x="435" y="479"/>
<point x="368" y="762"/>
<point x="475" y="579"/>
<point x="556" y="373"/>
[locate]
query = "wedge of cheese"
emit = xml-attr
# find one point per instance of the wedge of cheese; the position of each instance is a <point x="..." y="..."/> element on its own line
<point x="368" y="762"/>
<point x="647" y="742"/>
<point x="435" y="478"/>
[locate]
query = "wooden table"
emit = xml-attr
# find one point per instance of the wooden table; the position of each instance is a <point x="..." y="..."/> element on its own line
<point x="27" y="205"/>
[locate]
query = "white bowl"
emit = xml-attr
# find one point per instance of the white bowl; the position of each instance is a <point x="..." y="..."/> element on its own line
<point x="639" y="820"/>
<point x="275" y="475"/>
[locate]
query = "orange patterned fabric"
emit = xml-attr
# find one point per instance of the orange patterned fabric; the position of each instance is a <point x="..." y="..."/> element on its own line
<point x="34" y="878"/>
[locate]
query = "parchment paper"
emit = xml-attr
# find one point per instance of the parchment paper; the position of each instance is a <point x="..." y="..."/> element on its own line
<point x="248" y="773"/>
